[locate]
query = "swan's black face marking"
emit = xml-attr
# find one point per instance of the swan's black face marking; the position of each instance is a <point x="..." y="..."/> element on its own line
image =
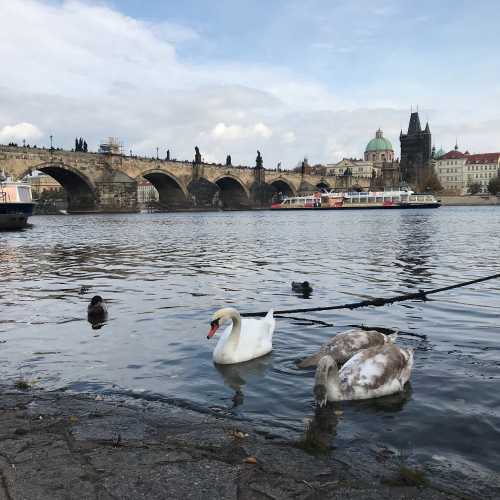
<point x="214" y="326"/>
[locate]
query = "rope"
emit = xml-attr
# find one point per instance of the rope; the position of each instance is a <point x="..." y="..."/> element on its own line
<point x="377" y="302"/>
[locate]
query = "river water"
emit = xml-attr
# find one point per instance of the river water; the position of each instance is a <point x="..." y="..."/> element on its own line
<point x="163" y="275"/>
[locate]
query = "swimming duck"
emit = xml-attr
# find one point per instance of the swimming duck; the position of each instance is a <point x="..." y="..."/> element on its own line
<point x="303" y="287"/>
<point x="97" y="312"/>
<point x="244" y="340"/>
<point x="346" y="344"/>
<point x="371" y="373"/>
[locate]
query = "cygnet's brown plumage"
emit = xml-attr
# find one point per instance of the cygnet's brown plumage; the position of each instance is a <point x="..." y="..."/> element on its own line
<point x="346" y="344"/>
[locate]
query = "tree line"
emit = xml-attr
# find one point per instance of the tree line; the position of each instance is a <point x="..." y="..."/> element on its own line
<point x="81" y="145"/>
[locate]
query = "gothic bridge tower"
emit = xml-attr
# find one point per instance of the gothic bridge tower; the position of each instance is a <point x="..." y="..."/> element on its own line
<point x="416" y="151"/>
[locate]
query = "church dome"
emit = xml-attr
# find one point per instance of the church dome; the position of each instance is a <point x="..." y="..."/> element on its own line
<point x="379" y="143"/>
<point x="440" y="152"/>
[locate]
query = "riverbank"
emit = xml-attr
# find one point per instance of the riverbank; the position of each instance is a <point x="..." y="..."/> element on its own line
<point x="469" y="200"/>
<point x="57" y="445"/>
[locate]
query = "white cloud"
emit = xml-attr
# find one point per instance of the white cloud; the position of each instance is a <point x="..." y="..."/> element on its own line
<point x="288" y="138"/>
<point x="263" y="130"/>
<point x="84" y="69"/>
<point x="235" y="132"/>
<point x="20" y="131"/>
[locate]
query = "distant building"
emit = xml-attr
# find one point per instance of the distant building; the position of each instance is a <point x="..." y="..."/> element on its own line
<point x="450" y="170"/>
<point x="379" y="149"/>
<point x="456" y="171"/>
<point x="354" y="167"/>
<point x="481" y="168"/>
<point x="41" y="182"/>
<point x="378" y="168"/>
<point x="146" y="192"/>
<point x="416" y="151"/>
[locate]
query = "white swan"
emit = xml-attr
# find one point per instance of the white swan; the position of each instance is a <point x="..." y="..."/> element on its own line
<point x="346" y="344"/>
<point x="371" y="373"/>
<point x="244" y="340"/>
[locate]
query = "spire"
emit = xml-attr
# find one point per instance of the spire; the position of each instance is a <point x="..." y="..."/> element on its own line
<point x="427" y="129"/>
<point x="414" y="126"/>
<point x="456" y="144"/>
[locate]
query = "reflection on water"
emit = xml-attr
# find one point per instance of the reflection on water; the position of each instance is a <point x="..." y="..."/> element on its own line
<point x="163" y="276"/>
<point x="237" y="375"/>
<point x="414" y="255"/>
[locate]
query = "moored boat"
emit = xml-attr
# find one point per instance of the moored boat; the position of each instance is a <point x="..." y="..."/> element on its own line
<point x="16" y="204"/>
<point x="358" y="200"/>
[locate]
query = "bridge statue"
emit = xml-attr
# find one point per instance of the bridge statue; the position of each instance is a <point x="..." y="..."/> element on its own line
<point x="258" y="160"/>
<point x="228" y="161"/>
<point x="197" y="155"/>
<point x="168" y="155"/>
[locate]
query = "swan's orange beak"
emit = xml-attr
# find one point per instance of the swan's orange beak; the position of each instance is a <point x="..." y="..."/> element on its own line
<point x="214" y="326"/>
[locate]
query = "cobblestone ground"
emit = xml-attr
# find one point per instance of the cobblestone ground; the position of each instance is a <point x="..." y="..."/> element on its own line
<point x="60" y="446"/>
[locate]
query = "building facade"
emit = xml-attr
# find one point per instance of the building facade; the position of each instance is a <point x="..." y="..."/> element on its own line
<point x="481" y="168"/>
<point x="354" y="167"/>
<point x="41" y="182"/>
<point x="416" y="152"/>
<point x="457" y="171"/>
<point x="146" y="192"/>
<point x="450" y="170"/>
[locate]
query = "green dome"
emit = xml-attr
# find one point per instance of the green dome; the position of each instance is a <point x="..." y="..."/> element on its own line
<point x="439" y="153"/>
<point x="379" y="143"/>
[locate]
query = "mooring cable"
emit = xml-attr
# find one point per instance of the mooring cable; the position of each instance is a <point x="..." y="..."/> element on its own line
<point x="377" y="302"/>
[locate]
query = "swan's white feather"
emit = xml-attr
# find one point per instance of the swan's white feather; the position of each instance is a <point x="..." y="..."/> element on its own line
<point x="255" y="340"/>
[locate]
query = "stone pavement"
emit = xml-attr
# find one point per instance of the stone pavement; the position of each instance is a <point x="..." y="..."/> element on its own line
<point x="61" y="446"/>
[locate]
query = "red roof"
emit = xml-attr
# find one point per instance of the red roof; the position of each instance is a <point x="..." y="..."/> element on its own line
<point x="484" y="158"/>
<point x="453" y="155"/>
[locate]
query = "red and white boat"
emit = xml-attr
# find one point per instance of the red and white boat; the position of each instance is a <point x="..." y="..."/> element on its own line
<point x="345" y="200"/>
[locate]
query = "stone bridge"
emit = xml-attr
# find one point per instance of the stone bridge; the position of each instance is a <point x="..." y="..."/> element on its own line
<point x="96" y="182"/>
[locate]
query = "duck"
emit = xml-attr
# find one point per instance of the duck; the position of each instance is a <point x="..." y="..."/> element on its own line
<point x="371" y="373"/>
<point x="303" y="287"/>
<point x="97" y="312"/>
<point x="244" y="339"/>
<point x="344" y="345"/>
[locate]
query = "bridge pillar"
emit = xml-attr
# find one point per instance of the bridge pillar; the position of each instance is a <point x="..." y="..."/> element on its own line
<point x="260" y="192"/>
<point x="116" y="196"/>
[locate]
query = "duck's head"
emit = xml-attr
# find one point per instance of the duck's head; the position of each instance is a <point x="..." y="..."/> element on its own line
<point x="219" y="317"/>
<point x="97" y="299"/>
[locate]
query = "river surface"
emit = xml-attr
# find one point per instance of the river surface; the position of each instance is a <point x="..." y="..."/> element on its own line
<point x="163" y="275"/>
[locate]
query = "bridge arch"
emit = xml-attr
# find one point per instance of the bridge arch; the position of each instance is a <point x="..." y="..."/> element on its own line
<point x="172" y="192"/>
<point x="80" y="191"/>
<point x="232" y="192"/>
<point x="281" y="185"/>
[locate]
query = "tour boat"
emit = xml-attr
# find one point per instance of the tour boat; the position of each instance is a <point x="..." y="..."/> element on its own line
<point x="372" y="199"/>
<point x="16" y="204"/>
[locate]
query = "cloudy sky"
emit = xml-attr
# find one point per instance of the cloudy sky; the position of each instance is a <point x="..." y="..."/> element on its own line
<point x="292" y="78"/>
